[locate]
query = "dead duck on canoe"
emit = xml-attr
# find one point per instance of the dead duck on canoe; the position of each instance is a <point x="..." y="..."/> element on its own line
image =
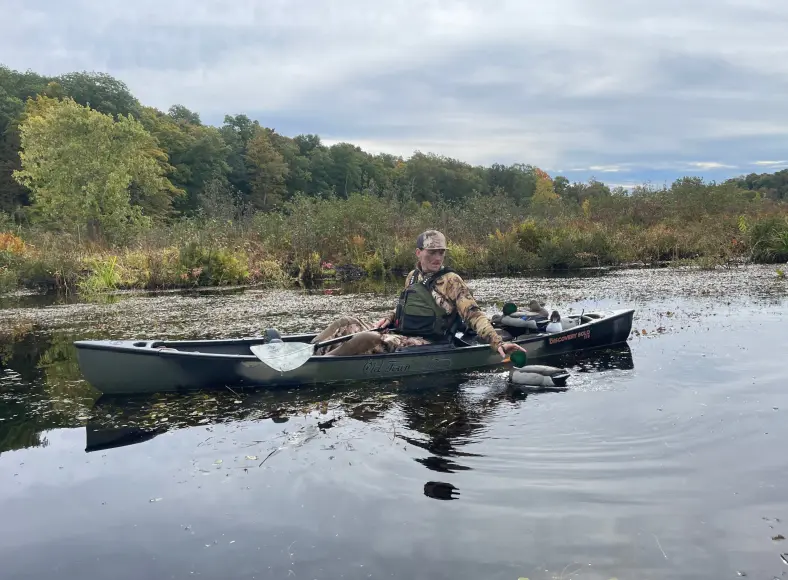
<point x="536" y="375"/>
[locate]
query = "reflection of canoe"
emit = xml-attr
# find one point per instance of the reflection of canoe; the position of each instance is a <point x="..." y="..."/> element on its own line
<point x="145" y="366"/>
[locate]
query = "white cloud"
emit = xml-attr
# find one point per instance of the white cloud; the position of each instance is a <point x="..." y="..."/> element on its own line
<point x="603" y="85"/>
<point x="605" y="168"/>
<point x="710" y="165"/>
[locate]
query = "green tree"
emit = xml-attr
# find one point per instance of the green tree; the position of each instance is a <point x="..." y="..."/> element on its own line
<point x="181" y="113"/>
<point x="268" y="171"/>
<point x="517" y="181"/>
<point x="345" y="170"/>
<point x="298" y="174"/>
<point x="237" y="131"/>
<point x="101" y="92"/>
<point x="560" y="183"/>
<point x="82" y="167"/>
<point x="13" y="195"/>
<point x="197" y="153"/>
<point x="769" y="185"/>
<point x="15" y="89"/>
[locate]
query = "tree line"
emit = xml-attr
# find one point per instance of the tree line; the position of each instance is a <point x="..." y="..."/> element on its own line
<point x="81" y="148"/>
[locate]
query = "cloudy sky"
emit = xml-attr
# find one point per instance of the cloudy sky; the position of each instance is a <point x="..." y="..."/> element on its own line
<point x="628" y="91"/>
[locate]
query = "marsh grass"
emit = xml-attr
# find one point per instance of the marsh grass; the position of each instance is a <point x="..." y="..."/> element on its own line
<point x="705" y="226"/>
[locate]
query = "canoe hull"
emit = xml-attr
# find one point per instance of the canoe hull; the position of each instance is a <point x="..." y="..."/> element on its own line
<point x="139" y="367"/>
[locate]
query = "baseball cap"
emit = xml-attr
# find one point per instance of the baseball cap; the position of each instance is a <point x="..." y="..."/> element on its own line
<point x="431" y="240"/>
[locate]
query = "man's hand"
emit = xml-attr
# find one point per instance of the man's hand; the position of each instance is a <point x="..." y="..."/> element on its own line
<point x="508" y="348"/>
<point x="383" y="322"/>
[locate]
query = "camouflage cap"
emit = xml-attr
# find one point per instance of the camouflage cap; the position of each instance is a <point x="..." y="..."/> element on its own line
<point x="431" y="240"/>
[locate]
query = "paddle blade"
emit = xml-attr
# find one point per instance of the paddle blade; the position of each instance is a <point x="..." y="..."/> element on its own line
<point x="283" y="356"/>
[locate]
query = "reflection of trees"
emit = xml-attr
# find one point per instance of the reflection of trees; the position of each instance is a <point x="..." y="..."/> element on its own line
<point x="69" y="394"/>
<point x="19" y="434"/>
<point x="17" y="365"/>
<point x="21" y="346"/>
<point x="40" y="387"/>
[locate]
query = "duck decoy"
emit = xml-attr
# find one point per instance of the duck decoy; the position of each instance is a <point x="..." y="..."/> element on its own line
<point x="555" y="323"/>
<point x="536" y="375"/>
<point x="530" y="318"/>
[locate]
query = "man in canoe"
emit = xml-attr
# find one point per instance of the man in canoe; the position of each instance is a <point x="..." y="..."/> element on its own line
<point x="433" y="306"/>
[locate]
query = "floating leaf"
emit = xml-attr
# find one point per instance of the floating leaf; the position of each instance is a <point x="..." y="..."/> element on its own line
<point x="251" y="457"/>
<point x="217" y="462"/>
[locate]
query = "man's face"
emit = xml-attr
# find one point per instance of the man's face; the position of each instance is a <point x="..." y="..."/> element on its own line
<point x="430" y="260"/>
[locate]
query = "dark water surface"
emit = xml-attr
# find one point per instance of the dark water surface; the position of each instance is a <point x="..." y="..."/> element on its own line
<point x="665" y="459"/>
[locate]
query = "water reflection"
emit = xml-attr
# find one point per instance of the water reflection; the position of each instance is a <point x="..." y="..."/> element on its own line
<point x="664" y="472"/>
<point x="442" y="415"/>
<point x="40" y="387"/>
<point x="441" y="490"/>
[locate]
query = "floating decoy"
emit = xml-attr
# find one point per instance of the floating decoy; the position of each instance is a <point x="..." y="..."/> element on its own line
<point x="536" y="375"/>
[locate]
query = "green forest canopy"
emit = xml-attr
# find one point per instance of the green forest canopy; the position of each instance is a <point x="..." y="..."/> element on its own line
<point x="174" y="158"/>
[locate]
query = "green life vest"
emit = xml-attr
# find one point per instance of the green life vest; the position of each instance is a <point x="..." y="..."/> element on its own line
<point x="419" y="314"/>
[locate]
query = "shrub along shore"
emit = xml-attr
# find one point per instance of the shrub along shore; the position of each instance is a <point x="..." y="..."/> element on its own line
<point x="364" y="235"/>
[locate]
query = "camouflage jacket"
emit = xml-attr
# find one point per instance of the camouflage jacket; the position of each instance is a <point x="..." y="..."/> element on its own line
<point x="451" y="293"/>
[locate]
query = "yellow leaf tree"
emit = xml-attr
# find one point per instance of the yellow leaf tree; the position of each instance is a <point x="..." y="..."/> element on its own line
<point x="84" y="168"/>
<point x="545" y="192"/>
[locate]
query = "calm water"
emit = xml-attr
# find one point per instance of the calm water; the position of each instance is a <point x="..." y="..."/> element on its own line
<point x="665" y="459"/>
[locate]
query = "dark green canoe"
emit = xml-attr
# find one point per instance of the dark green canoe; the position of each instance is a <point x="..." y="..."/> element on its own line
<point x="147" y="366"/>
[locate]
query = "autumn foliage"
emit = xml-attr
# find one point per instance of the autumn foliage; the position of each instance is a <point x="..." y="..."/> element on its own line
<point x="11" y="243"/>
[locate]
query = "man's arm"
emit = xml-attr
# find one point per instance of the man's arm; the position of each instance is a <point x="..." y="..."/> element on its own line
<point x="455" y="289"/>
